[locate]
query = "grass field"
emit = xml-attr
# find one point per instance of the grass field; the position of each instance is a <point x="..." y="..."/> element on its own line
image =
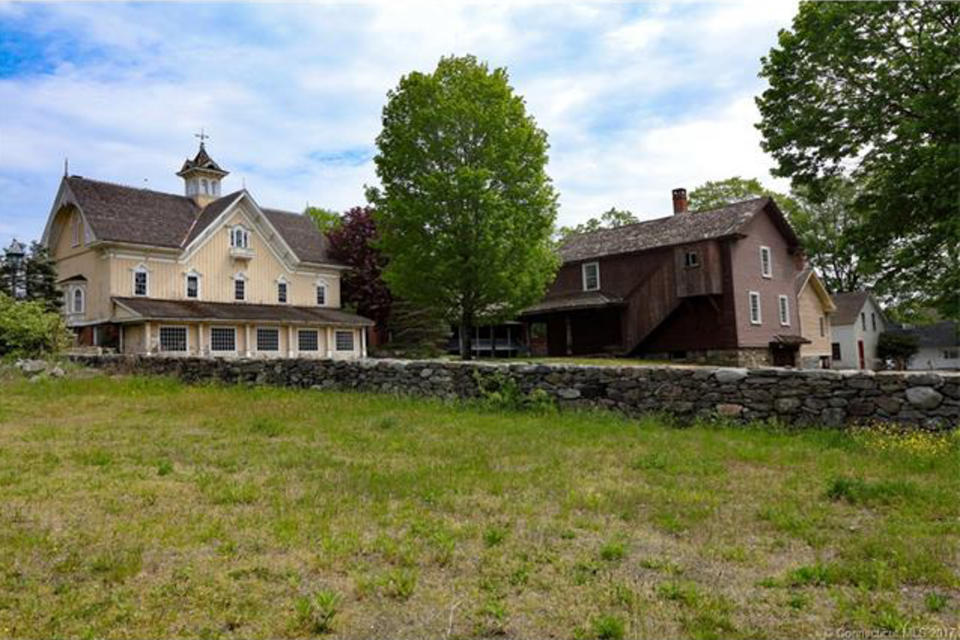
<point x="138" y="507"/>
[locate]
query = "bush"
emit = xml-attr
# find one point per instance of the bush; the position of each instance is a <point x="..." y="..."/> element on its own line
<point x="28" y="330"/>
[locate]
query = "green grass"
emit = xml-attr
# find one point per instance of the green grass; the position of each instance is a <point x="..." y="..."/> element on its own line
<point x="141" y="507"/>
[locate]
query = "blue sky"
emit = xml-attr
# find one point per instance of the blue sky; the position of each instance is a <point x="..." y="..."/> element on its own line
<point x="636" y="98"/>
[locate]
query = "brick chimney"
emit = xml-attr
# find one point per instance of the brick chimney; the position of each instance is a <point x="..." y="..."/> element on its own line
<point x="679" y="201"/>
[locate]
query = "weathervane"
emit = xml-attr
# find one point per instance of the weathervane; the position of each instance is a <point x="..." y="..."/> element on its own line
<point x="202" y="136"/>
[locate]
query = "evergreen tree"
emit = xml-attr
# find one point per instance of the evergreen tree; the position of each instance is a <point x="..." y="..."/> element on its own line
<point x="40" y="278"/>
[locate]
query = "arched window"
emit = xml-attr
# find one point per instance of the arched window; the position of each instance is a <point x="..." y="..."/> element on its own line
<point x="140" y="283"/>
<point x="78" y="300"/>
<point x="203" y="183"/>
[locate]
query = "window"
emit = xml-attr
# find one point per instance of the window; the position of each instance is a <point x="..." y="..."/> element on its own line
<point x="835" y="351"/>
<point x="239" y="238"/>
<point x="863" y="320"/>
<point x="239" y="289"/>
<point x="203" y="182"/>
<point x="691" y="259"/>
<point x="823" y="327"/>
<point x="173" y="339"/>
<point x="77" y="226"/>
<point x="140" y="282"/>
<point x="766" y="264"/>
<point x="755" y="308"/>
<point x="873" y="321"/>
<point x="344" y="340"/>
<point x="268" y="340"/>
<point x="78" y="300"/>
<point x="282" y="292"/>
<point x="193" y="286"/>
<point x="223" y="339"/>
<point x="951" y="354"/>
<point x="784" y="303"/>
<point x="591" y="276"/>
<point x="321" y="294"/>
<point x="307" y="340"/>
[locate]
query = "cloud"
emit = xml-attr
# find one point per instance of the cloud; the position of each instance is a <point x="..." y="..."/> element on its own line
<point x="636" y="99"/>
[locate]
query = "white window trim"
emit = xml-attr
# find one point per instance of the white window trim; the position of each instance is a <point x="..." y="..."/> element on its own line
<point x="326" y="294"/>
<point x="750" y="297"/>
<point x="583" y="275"/>
<point x="314" y="331"/>
<point x="72" y="298"/>
<point x="186" y="330"/>
<point x="353" y="338"/>
<point x="246" y="294"/>
<point x="783" y="308"/>
<point x="225" y="351"/>
<point x="193" y="273"/>
<point x="140" y="268"/>
<point x="282" y="281"/>
<point x="246" y="236"/>
<point x="766" y="268"/>
<point x="256" y="337"/>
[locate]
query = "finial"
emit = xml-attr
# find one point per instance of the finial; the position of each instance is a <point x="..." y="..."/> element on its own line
<point x="66" y="166"/>
<point x="203" y="136"/>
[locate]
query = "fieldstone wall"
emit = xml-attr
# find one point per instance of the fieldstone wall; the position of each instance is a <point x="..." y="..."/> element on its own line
<point x="803" y="397"/>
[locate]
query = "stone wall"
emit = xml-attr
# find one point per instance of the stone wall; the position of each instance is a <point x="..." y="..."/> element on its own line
<point x="803" y="397"/>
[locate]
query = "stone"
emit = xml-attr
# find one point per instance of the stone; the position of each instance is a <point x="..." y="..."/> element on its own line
<point x="568" y="393"/>
<point x="889" y="404"/>
<point x="57" y="372"/>
<point x="862" y="383"/>
<point x="924" y="380"/>
<point x="31" y="367"/>
<point x="814" y="403"/>
<point x="729" y="410"/>
<point x="924" y="397"/>
<point x="833" y="417"/>
<point x="726" y="376"/>
<point x="426" y="373"/>
<point x="861" y="408"/>
<point x="786" y="405"/>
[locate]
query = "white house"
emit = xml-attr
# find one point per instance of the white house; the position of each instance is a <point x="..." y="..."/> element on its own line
<point x="856" y="326"/>
<point x="938" y="346"/>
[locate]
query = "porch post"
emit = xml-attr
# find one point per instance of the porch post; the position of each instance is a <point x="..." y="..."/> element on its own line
<point x="200" y="339"/>
<point x="146" y="337"/>
<point x="246" y="344"/>
<point x="290" y="350"/>
<point x="329" y="342"/>
<point x="363" y="342"/>
<point x="569" y="345"/>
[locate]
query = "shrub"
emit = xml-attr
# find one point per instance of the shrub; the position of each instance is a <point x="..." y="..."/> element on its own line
<point x="612" y="551"/>
<point x="608" y="627"/>
<point x="28" y="330"/>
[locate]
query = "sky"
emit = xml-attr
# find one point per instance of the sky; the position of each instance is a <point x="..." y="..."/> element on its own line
<point x="636" y="99"/>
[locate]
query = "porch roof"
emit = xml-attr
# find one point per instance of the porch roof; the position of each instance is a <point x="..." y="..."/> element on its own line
<point x="573" y="302"/>
<point x="154" y="309"/>
<point x="790" y="340"/>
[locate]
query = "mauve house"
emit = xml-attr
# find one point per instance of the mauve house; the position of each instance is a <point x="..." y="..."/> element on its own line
<point x="713" y="286"/>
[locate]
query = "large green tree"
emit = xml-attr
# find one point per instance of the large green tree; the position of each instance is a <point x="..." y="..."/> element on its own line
<point x="465" y="209"/>
<point x="609" y="219"/>
<point x="873" y="90"/>
<point x="713" y="194"/>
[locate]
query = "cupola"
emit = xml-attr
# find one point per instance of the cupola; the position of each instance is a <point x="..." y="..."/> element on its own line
<point x="201" y="176"/>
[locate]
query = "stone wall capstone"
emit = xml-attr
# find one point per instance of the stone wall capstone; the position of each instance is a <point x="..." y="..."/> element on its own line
<point x="803" y="397"/>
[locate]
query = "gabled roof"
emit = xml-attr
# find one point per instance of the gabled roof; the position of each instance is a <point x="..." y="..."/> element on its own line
<point x="849" y="305"/>
<point x="201" y="162"/>
<point x="809" y="277"/>
<point x="127" y="214"/>
<point x="941" y="334"/>
<point x="154" y="309"/>
<point x="118" y="213"/>
<point x="676" y="229"/>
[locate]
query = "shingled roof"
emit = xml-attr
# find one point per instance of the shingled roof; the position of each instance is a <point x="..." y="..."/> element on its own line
<point x="848" y="307"/>
<point x="153" y="309"/>
<point x="941" y="334"/>
<point x="202" y="161"/>
<point x="676" y="229"/>
<point x="118" y="213"/>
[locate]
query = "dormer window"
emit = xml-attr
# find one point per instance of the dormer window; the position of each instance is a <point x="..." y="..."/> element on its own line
<point x="590" y="272"/>
<point x="140" y="281"/>
<point x="239" y="238"/>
